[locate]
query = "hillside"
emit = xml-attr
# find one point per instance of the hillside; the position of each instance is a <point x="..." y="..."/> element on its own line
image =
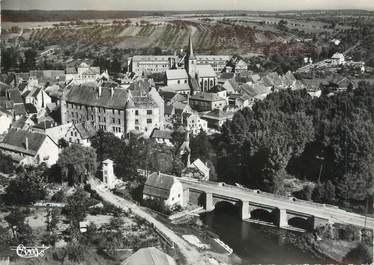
<point x="211" y="38"/>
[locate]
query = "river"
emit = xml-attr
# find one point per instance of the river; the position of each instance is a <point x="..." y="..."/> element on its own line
<point x="255" y="243"/>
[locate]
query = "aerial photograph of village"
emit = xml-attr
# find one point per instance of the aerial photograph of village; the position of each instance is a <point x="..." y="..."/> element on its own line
<point x="190" y="132"/>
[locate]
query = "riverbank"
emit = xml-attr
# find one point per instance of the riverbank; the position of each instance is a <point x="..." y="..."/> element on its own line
<point x="331" y="251"/>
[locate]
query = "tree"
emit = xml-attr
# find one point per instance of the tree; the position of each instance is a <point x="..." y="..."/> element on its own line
<point x="52" y="220"/>
<point x="15" y="219"/>
<point x="107" y="145"/>
<point x="4" y="237"/>
<point x="6" y="164"/>
<point x="62" y="143"/>
<point x="30" y="59"/>
<point x="76" y="207"/>
<point x="76" y="162"/>
<point x="200" y="147"/>
<point x="24" y="190"/>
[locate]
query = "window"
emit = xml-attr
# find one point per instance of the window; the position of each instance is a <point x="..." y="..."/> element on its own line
<point x="113" y="120"/>
<point x="179" y="81"/>
<point x="149" y="112"/>
<point x="71" y="133"/>
<point x="136" y="112"/>
<point x="99" y="119"/>
<point x="119" y="121"/>
<point x="75" y="134"/>
<point x="119" y="129"/>
<point x="149" y="121"/>
<point x="118" y="111"/>
<point x="137" y="128"/>
<point x="136" y="121"/>
<point x="185" y="81"/>
<point x="104" y="119"/>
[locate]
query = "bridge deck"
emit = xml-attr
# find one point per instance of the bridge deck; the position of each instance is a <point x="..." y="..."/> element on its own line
<point x="331" y="213"/>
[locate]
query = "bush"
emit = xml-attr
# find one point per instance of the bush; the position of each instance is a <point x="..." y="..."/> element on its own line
<point x="157" y="206"/>
<point x="6" y="164"/>
<point x="362" y="254"/>
<point x="59" y="196"/>
<point x="24" y="190"/>
<point x="349" y="233"/>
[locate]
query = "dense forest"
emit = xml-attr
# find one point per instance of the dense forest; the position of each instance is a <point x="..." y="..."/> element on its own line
<point x="328" y="141"/>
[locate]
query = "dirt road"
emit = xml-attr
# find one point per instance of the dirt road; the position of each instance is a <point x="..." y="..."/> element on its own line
<point x="191" y="255"/>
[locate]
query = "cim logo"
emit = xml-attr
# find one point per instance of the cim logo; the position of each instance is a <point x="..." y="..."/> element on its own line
<point x="30" y="252"/>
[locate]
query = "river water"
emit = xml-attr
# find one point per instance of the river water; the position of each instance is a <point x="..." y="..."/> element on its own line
<point x="255" y="243"/>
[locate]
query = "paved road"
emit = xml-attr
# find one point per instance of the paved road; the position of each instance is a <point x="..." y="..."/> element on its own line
<point x="191" y="255"/>
<point x="333" y="214"/>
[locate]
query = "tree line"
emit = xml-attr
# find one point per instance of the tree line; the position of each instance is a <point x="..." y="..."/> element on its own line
<point x="328" y="141"/>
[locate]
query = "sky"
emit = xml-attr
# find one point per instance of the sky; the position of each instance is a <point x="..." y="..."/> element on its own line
<point x="256" y="5"/>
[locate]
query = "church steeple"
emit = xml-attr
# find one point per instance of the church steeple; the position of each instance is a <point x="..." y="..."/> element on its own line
<point x="190" y="53"/>
<point x="191" y="62"/>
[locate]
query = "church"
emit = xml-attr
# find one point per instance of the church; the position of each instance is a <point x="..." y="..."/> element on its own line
<point x="200" y="77"/>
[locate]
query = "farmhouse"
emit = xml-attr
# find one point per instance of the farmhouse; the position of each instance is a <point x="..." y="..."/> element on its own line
<point x="27" y="147"/>
<point x="164" y="188"/>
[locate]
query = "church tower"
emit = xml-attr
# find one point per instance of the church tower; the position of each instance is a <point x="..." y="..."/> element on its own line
<point x="191" y="60"/>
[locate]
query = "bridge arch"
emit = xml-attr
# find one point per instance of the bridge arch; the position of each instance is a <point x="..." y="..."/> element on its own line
<point x="262" y="214"/>
<point x="299" y="222"/>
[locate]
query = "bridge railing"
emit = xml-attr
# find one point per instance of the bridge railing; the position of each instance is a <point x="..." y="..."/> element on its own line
<point x="265" y="194"/>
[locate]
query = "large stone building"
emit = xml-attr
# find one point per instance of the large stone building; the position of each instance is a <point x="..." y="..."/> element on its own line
<point x="111" y="108"/>
<point x="218" y="62"/>
<point x="202" y="67"/>
<point x="146" y="64"/>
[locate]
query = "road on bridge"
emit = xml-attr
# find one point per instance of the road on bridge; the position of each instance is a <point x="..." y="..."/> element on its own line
<point x="191" y="255"/>
<point x="334" y="214"/>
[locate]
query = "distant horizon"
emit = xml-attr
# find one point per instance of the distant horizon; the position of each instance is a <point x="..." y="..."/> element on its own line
<point x="186" y="6"/>
<point x="193" y="10"/>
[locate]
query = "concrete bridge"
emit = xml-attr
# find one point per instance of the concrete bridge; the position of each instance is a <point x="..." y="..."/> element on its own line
<point x="279" y="210"/>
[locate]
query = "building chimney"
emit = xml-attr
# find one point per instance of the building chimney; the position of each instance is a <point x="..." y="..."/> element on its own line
<point x="99" y="90"/>
<point x="27" y="143"/>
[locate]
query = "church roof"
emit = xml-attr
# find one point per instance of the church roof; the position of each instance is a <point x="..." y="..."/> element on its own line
<point x="205" y="70"/>
<point x="175" y="74"/>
